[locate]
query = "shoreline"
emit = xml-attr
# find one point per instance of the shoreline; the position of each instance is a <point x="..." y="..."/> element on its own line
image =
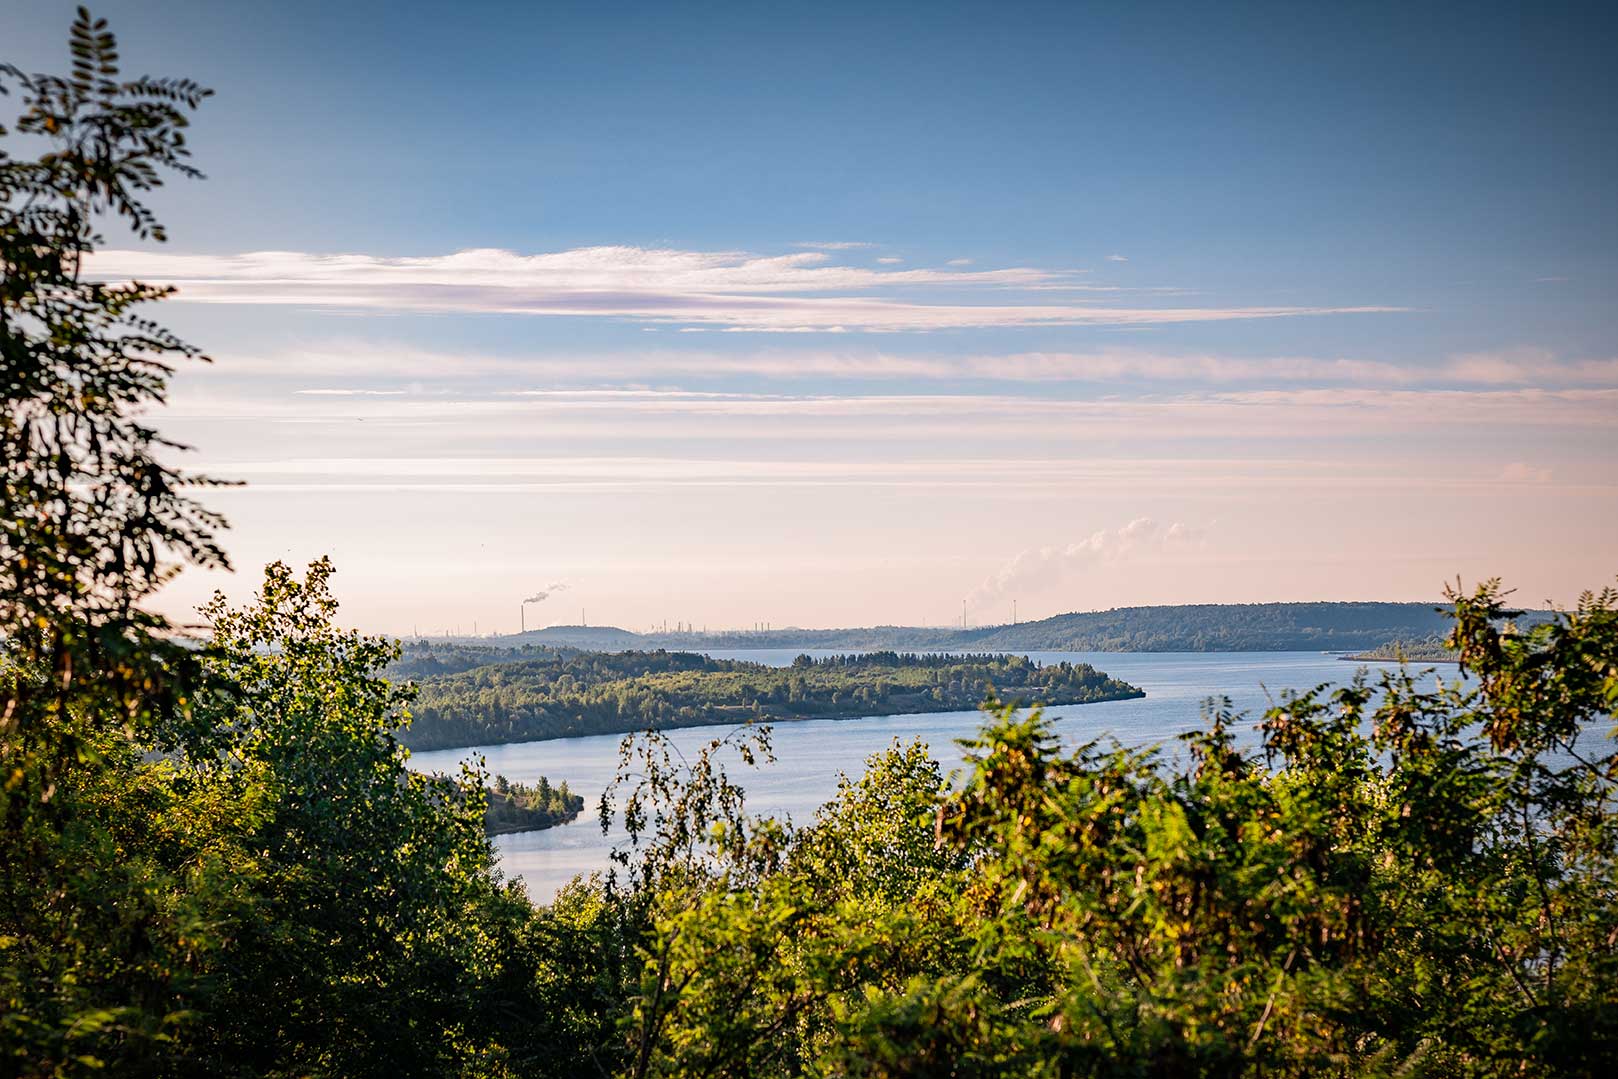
<point x="518" y="829"/>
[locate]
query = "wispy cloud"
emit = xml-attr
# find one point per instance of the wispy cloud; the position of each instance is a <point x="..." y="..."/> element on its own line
<point x="1311" y="414"/>
<point x="349" y="393"/>
<point x="958" y="262"/>
<point x="1037" y="571"/>
<point x="1530" y="366"/>
<point x="734" y="291"/>
<point x="350" y="359"/>
<point x="1522" y="472"/>
<point x="1114" y="478"/>
<point x="1522" y="367"/>
<point x="835" y="245"/>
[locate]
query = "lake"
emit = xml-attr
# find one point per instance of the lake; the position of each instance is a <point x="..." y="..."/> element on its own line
<point x="812" y="754"/>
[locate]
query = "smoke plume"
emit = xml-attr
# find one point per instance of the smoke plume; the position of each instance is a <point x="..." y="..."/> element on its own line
<point x="541" y="597"/>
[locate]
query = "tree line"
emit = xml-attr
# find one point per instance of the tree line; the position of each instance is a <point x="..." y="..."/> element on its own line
<point x="1424" y="650"/>
<point x="421" y="658"/>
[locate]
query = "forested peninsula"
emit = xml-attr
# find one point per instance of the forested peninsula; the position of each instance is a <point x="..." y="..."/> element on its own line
<point x="563" y="693"/>
<point x="1427" y="650"/>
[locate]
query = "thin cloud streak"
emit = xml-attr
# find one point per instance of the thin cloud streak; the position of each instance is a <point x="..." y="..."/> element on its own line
<point x="725" y="290"/>
<point x="363" y="360"/>
<point x="1117" y="476"/>
<point x="1526" y="405"/>
<point x="638" y="416"/>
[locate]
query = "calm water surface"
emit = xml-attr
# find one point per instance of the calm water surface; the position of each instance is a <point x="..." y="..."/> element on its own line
<point x="812" y="754"/>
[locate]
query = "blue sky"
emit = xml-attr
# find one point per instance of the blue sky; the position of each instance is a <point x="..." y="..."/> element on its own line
<point x="1322" y="295"/>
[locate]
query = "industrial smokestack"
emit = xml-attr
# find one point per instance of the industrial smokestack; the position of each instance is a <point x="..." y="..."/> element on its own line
<point x="537" y="597"/>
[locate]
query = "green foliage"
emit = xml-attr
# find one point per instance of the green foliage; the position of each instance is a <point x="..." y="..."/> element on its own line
<point x="685" y="817"/>
<point x="571" y="693"/>
<point x="373" y="883"/>
<point x="88" y="511"/>
<point x="95" y="935"/>
<point x="423" y="658"/>
<point x="1402" y="882"/>
<point x="379" y="940"/>
<point x="214" y="861"/>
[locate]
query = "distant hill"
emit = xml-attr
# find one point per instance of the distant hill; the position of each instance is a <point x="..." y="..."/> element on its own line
<point x="1241" y="627"/>
<point x="599" y="638"/>
<point x="1202" y="627"/>
<point x="424" y="658"/>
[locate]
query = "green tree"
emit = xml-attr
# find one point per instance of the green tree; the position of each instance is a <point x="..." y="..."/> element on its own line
<point x="214" y="860"/>
<point x="96" y="938"/>
<point x="92" y="521"/>
<point x="376" y="910"/>
<point x="1401" y="881"/>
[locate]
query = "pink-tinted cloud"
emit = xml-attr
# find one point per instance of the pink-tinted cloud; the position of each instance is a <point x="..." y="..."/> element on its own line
<point x="351" y="359"/>
<point x="728" y="290"/>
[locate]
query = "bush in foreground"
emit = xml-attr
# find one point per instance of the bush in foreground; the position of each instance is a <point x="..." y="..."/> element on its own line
<point x="1399" y="881"/>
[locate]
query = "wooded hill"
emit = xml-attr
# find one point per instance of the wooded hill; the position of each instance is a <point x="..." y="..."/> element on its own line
<point x="1201" y="627"/>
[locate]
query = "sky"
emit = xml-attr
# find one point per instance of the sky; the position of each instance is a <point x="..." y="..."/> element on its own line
<point x="846" y="314"/>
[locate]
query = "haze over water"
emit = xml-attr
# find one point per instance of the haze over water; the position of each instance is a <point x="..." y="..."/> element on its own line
<point x="812" y="754"/>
